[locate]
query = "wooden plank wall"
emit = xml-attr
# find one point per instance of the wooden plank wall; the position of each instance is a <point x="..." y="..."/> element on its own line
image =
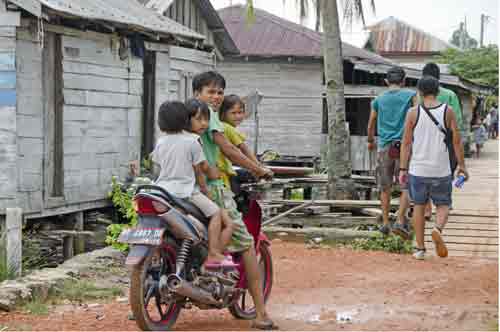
<point x="30" y="110"/>
<point x="102" y="116"/>
<point x="174" y="73"/>
<point x="288" y="125"/>
<point x="187" y="12"/>
<point x="8" y="121"/>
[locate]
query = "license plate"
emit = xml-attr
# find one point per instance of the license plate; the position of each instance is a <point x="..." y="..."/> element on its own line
<point x="150" y="236"/>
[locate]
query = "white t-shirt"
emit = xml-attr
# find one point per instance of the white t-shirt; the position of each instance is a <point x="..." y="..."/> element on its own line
<point x="430" y="157"/>
<point x="176" y="154"/>
<point x="487" y="121"/>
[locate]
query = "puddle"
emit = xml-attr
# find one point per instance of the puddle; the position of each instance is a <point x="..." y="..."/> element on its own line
<point x="323" y="314"/>
<point x="345" y="317"/>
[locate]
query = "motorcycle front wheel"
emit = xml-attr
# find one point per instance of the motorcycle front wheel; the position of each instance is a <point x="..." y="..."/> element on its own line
<point x="151" y="312"/>
<point x="244" y="308"/>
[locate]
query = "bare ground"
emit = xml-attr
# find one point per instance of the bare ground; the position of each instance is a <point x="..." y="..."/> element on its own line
<point x="314" y="287"/>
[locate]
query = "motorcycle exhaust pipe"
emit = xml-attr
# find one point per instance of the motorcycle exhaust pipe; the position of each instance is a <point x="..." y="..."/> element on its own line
<point x="185" y="288"/>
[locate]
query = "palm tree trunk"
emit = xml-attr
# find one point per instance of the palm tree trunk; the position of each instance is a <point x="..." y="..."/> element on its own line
<point x="338" y="160"/>
<point x="318" y="14"/>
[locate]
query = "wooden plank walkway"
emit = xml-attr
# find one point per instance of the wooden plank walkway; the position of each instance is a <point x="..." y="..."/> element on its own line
<point x="472" y="229"/>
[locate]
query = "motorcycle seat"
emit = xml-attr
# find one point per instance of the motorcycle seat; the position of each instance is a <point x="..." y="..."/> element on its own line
<point x="191" y="209"/>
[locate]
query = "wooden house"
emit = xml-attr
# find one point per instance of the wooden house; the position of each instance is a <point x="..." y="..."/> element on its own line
<point x="79" y="85"/>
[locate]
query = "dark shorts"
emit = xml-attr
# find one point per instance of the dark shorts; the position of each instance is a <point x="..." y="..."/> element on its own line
<point x="387" y="170"/>
<point x="421" y="189"/>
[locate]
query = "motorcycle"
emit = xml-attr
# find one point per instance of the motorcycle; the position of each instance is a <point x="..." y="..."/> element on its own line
<point x="166" y="255"/>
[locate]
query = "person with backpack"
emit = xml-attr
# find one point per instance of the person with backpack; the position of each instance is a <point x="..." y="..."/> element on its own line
<point x="432" y="137"/>
<point x="445" y="96"/>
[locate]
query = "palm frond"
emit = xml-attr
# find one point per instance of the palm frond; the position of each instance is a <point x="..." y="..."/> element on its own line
<point x="318" y="6"/>
<point x="250" y="12"/>
<point x="354" y="9"/>
<point x="303" y="8"/>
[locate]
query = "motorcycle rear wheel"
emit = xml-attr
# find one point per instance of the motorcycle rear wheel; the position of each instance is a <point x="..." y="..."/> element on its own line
<point x="240" y="309"/>
<point x="150" y="311"/>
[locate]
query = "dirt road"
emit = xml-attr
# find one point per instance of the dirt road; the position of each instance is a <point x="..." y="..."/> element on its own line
<point x="313" y="287"/>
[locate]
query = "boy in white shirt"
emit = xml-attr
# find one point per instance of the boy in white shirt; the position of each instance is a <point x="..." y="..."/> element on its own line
<point x="178" y="153"/>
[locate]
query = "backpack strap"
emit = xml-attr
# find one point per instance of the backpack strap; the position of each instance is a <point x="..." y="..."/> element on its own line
<point x="436" y="121"/>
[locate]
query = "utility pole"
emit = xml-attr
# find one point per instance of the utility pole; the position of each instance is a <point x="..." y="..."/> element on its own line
<point x="465" y="35"/>
<point x="484" y="20"/>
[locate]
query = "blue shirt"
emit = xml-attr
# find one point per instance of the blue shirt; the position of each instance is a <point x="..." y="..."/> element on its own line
<point x="392" y="107"/>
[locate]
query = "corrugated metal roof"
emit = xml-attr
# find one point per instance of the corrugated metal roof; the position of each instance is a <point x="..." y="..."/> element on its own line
<point x="448" y="79"/>
<point x="271" y="35"/>
<point x="129" y="12"/>
<point x="214" y="23"/>
<point x="394" y="36"/>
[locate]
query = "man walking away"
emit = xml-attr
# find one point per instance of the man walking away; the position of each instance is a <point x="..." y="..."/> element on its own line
<point x="445" y="96"/>
<point x="430" y="175"/>
<point x="388" y="113"/>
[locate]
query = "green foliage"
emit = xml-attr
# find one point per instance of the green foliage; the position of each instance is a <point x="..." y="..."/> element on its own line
<point x="479" y="65"/>
<point x="123" y="203"/>
<point x="297" y="194"/>
<point x="81" y="290"/>
<point x="378" y="242"/>
<point x="122" y="198"/>
<point x="114" y="231"/>
<point x="6" y="273"/>
<point x="76" y="291"/>
<point x="36" y="307"/>
<point x="250" y="12"/>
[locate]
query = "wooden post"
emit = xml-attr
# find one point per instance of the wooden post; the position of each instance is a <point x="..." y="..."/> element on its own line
<point x="68" y="247"/>
<point x="252" y="105"/>
<point x="13" y="227"/>
<point x="79" y="239"/>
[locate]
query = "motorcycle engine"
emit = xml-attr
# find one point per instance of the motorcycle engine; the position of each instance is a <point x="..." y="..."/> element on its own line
<point x="198" y="256"/>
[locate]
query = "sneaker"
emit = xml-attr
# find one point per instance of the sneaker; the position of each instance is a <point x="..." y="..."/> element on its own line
<point x="402" y="230"/>
<point x="385" y="230"/>
<point x="439" y="244"/>
<point x="419" y="254"/>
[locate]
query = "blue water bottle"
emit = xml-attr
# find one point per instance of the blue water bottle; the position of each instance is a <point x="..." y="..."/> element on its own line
<point x="459" y="183"/>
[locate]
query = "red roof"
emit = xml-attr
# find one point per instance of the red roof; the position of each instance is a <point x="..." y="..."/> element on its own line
<point x="270" y="35"/>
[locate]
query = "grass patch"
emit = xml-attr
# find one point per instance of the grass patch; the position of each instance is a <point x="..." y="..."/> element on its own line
<point x="76" y="291"/>
<point x="494" y="325"/>
<point x="379" y="242"/>
<point x="82" y="290"/>
<point x="16" y="327"/>
<point x="6" y="273"/>
<point x="36" y="307"/>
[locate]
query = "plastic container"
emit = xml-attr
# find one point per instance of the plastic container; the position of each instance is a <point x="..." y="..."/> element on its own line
<point x="459" y="182"/>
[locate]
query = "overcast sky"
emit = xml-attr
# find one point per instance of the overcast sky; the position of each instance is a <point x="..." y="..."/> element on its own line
<point x="439" y="17"/>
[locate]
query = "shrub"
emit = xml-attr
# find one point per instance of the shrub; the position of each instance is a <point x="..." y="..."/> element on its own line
<point x="391" y="243"/>
<point x="6" y="272"/>
<point x="122" y="196"/>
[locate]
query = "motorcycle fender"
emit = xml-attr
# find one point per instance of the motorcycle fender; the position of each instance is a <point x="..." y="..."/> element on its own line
<point x="137" y="254"/>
